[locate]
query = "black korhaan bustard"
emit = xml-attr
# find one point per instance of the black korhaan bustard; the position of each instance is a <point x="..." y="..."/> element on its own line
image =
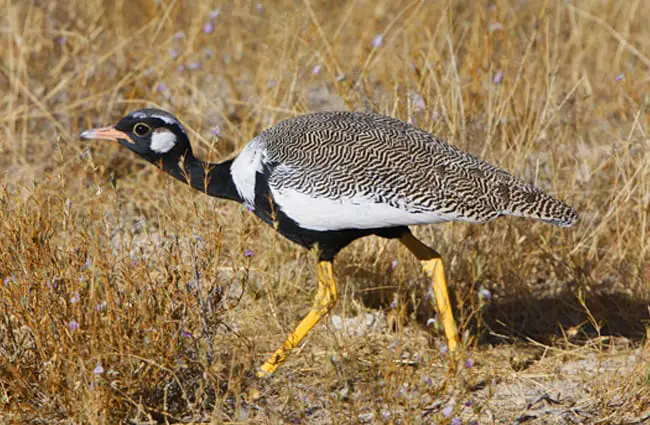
<point x="325" y="179"/>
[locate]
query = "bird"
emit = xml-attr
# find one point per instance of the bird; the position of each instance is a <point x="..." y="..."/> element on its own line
<point x="326" y="179"/>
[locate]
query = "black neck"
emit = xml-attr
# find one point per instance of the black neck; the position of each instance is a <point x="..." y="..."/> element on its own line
<point x="211" y="179"/>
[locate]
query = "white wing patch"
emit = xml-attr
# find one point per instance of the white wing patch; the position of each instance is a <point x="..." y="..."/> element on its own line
<point x="243" y="169"/>
<point x="356" y="213"/>
<point x="163" y="141"/>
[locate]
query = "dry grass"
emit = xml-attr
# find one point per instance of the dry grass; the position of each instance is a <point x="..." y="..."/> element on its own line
<point x="128" y="298"/>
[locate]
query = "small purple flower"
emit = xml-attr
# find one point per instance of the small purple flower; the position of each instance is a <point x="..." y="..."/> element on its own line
<point x="447" y="411"/>
<point x="377" y="41"/>
<point x="250" y="208"/>
<point x="173" y="52"/>
<point x="495" y="26"/>
<point x="215" y="131"/>
<point x="620" y="77"/>
<point x="427" y="380"/>
<point x="248" y="252"/>
<point x="215" y="13"/>
<point x="394" y="304"/>
<point x="469" y="363"/>
<point x="193" y="66"/>
<point x="444" y="349"/>
<point x="99" y="369"/>
<point x="208" y="27"/>
<point x="467" y="403"/>
<point x="73" y="325"/>
<point x="498" y="77"/>
<point x="161" y="87"/>
<point x="316" y="69"/>
<point x="186" y="334"/>
<point x="134" y="262"/>
<point x="393" y="264"/>
<point x="61" y="41"/>
<point x="74" y="298"/>
<point x="393" y="345"/>
<point x="179" y="35"/>
<point x="101" y="306"/>
<point x="473" y="422"/>
<point x="456" y="421"/>
<point x="484" y="294"/>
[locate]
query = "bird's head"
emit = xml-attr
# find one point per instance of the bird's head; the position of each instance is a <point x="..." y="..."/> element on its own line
<point x="152" y="133"/>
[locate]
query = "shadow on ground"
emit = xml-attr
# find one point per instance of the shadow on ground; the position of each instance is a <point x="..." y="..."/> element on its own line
<point x="514" y="319"/>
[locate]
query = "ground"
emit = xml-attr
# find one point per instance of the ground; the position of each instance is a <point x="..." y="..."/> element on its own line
<point x="125" y="297"/>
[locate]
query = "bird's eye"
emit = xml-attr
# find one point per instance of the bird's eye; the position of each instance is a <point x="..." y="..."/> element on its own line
<point x="141" y="129"/>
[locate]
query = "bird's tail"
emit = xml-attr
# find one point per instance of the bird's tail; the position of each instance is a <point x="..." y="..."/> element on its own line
<point x="530" y="202"/>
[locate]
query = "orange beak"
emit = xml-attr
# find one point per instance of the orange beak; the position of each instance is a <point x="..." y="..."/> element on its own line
<point x="105" y="133"/>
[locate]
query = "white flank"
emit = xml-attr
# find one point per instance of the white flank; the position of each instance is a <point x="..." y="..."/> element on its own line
<point x="245" y="166"/>
<point x="162" y="141"/>
<point x="357" y="213"/>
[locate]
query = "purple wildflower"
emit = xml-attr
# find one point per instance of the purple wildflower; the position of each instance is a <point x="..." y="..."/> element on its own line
<point x="215" y="13"/>
<point x="250" y="208"/>
<point x="498" y="77"/>
<point x="496" y="26"/>
<point x="74" y="298"/>
<point x="484" y="294"/>
<point x="316" y="69"/>
<point x="377" y="41"/>
<point x="444" y="349"/>
<point x="393" y="264"/>
<point x="193" y="66"/>
<point x="208" y="27"/>
<point x="61" y="40"/>
<point x="162" y="87"/>
<point x="99" y="369"/>
<point x="248" y="252"/>
<point x="469" y="363"/>
<point x="73" y="325"/>
<point x="447" y="411"/>
<point x="179" y="35"/>
<point x="215" y="131"/>
<point x="620" y="77"/>
<point x="173" y="52"/>
<point x="456" y="421"/>
<point x="186" y="334"/>
<point x="101" y="306"/>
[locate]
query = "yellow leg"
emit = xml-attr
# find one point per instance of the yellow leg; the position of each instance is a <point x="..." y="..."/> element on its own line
<point x="325" y="300"/>
<point x="432" y="265"/>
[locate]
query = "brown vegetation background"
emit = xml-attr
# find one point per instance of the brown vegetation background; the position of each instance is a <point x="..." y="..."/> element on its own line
<point x="126" y="297"/>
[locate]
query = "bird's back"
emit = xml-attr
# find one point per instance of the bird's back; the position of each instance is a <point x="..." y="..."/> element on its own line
<point x="366" y="157"/>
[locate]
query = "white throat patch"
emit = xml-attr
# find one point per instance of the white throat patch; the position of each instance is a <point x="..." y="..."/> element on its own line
<point x="162" y="141"/>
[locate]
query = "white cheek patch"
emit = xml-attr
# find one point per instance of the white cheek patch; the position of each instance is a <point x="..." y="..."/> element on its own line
<point x="163" y="141"/>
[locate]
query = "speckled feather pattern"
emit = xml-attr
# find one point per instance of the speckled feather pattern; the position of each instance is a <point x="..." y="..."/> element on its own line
<point x="347" y="155"/>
